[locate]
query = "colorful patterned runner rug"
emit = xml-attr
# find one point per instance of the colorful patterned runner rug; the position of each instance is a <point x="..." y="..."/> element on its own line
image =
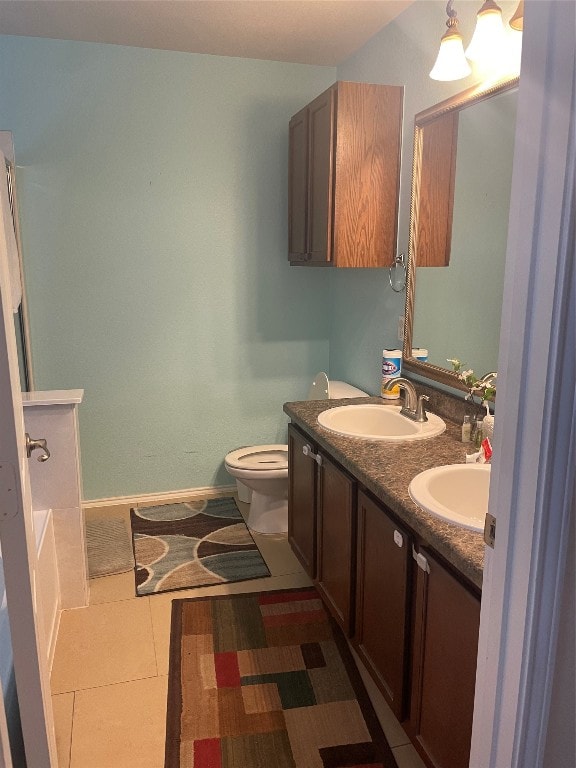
<point x="266" y="680"/>
<point x="192" y="544"/>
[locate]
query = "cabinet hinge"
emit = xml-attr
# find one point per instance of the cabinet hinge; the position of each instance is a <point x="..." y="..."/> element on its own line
<point x="489" y="530"/>
<point x="421" y="560"/>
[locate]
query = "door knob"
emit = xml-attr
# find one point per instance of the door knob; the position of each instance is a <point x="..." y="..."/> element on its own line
<point x="32" y="445"/>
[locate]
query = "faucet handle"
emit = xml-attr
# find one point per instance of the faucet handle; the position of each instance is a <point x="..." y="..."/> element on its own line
<point x="420" y="409"/>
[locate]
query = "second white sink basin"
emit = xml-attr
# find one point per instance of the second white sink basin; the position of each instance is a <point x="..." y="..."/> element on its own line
<point x="372" y="421"/>
<point x="457" y="493"/>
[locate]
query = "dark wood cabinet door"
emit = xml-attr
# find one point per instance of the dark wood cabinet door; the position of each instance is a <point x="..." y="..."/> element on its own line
<point x="382" y="600"/>
<point x="336" y="518"/>
<point x="302" y="500"/>
<point x="320" y="176"/>
<point x="298" y="187"/>
<point x="447" y="621"/>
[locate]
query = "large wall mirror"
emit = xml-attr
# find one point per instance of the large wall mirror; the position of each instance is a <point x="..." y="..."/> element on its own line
<point x="461" y="183"/>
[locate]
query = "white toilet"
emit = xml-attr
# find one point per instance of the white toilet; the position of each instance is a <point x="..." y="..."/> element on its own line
<point x="264" y="468"/>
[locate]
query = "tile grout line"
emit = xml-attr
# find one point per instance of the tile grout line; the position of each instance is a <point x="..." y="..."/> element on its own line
<point x="154" y="639"/>
<point x="289" y="573"/>
<point x="75" y="691"/>
<point x="72" y="729"/>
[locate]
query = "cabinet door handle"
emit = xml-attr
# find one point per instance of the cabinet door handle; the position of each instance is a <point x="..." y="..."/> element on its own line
<point x="307" y="451"/>
<point x="421" y="560"/>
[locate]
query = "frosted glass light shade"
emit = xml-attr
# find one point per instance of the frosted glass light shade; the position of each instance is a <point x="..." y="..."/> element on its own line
<point x="451" y="63"/>
<point x="488" y="38"/>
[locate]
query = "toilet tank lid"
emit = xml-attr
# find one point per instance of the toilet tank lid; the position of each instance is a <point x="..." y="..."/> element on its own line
<point x="337" y="389"/>
<point x="323" y="389"/>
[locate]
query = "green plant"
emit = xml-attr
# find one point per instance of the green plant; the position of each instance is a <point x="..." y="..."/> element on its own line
<point x="476" y="387"/>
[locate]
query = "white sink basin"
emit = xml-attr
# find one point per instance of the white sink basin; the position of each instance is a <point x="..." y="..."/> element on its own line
<point x="372" y="421"/>
<point x="457" y="493"/>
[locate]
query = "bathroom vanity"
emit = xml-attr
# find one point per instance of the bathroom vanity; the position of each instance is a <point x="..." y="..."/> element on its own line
<point x="404" y="586"/>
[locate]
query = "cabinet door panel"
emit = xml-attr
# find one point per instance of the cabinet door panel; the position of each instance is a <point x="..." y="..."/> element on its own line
<point x="368" y="130"/>
<point x="320" y="181"/>
<point x="344" y="179"/>
<point x="301" y="501"/>
<point x="432" y="225"/>
<point x="298" y="187"/>
<point x="382" y="595"/>
<point x="447" y="621"/>
<point x="336" y="539"/>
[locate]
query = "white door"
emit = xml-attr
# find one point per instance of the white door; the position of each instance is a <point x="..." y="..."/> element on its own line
<point x="19" y="551"/>
<point x="533" y="466"/>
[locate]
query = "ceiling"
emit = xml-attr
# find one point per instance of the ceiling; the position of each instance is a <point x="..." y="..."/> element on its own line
<point x="321" y="32"/>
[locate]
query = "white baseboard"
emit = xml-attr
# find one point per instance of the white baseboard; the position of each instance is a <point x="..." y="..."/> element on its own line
<point x="209" y="492"/>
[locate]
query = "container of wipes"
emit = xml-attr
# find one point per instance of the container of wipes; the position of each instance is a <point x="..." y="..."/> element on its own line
<point x="391" y="369"/>
<point x="420" y="354"/>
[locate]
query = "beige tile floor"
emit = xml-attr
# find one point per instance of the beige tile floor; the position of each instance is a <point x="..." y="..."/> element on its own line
<point x="110" y="670"/>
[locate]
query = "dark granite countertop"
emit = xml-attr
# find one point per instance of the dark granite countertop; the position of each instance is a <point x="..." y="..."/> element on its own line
<point x="386" y="470"/>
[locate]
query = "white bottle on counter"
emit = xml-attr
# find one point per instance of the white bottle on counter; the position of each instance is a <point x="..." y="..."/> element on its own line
<point x="466" y="429"/>
<point x="391" y="369"/>
<point x="488" y="425"/>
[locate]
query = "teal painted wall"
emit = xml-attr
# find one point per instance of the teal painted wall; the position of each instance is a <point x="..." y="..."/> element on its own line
<point x="153" y="196"/>
<point x="470" y="289"/>
<point x="365" y="310"/>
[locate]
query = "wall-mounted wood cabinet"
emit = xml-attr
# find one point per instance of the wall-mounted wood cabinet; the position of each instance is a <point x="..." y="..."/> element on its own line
<point x="344" y="176"/>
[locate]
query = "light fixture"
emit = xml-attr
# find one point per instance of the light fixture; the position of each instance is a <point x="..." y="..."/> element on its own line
<point x="451" y="63"/>
<point x="487" y="41"/>
<point x="517" y="20"/>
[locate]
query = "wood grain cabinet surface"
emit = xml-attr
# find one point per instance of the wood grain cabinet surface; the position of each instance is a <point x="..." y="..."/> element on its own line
<point x="383" y="601"/>
<point x="322" y="524"/>
<point x="433" y="190"/>
<point x="344" y="177"/>
<point x="302" y="499"/>
<point x="336" y="538"/>
<point x="446" y="626"/>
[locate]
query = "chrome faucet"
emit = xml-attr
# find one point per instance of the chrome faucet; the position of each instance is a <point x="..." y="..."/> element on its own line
<point x="413" y="407"/>
<point x="486" y="381"/>
<point x="488" y="378"/>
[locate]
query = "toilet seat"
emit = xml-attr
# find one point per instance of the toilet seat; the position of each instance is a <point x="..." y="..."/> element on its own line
<point x="261" y="471"/>
<point x="259" y="457"/>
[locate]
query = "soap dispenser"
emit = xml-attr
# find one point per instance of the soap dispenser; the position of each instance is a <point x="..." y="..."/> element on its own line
<point x="487" y="422"/>
<point x="477" y="432"/>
